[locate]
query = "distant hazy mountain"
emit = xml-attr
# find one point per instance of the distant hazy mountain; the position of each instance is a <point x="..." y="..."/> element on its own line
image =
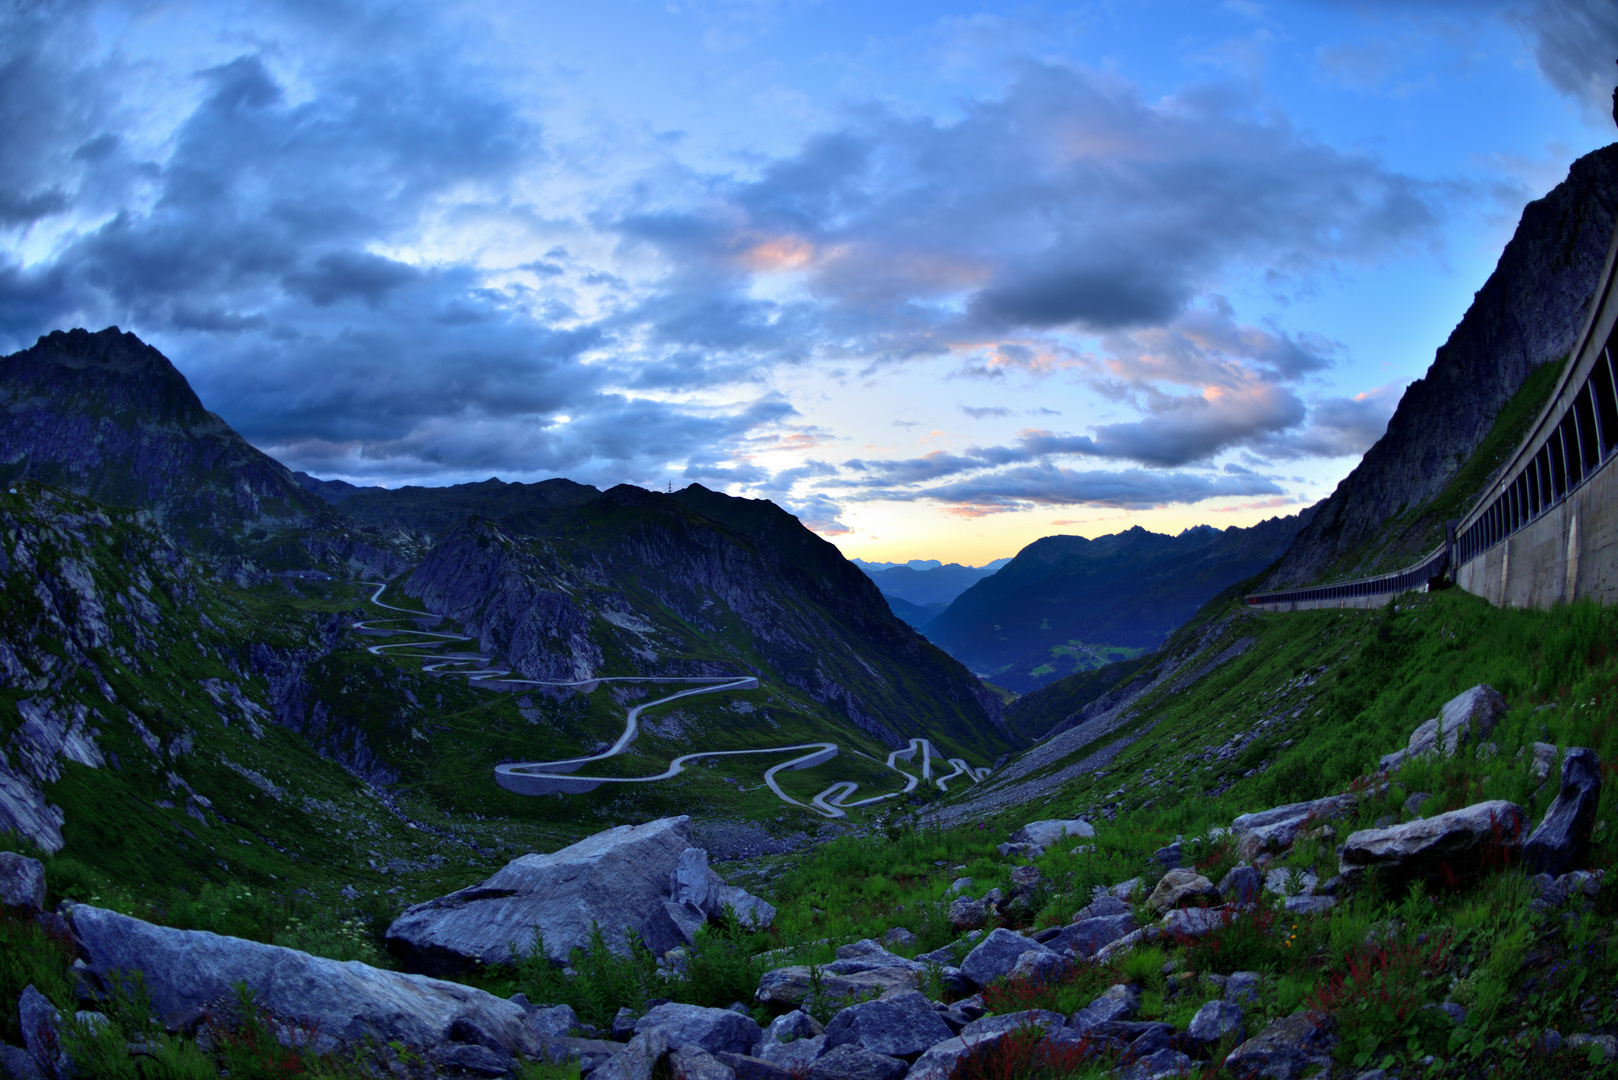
<point x="1066" y="604"/>
<point x="935" y="585"/>
<point x="916" y="615"/>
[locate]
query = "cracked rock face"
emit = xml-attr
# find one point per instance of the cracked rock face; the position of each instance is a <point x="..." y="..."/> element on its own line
<point x="1562" y="840"/>
<point x="1453" y="846"/>
<point x="627" y="880"/>
<point x="345" y="1003"/>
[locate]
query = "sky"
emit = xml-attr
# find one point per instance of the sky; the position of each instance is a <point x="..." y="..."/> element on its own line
<point x="939" y="278"/>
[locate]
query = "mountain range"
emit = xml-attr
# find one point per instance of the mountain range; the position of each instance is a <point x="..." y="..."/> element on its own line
<point x="1067" y="604"/>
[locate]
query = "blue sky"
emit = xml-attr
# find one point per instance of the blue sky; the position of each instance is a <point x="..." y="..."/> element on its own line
<point x="940" y="278"/>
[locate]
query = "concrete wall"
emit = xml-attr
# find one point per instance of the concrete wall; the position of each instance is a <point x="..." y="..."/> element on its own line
<point x="1358" y="602"/>
<point x="1569" y="553"/>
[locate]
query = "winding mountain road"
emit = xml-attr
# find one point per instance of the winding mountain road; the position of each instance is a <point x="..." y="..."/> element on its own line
<point x="555" y="777"/>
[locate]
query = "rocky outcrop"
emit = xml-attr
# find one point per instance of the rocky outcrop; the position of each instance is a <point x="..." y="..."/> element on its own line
<point x="22" y="884"/>
<point x="1526" y="314"/>
<point x="1467" y="717"/>
<point x="512" y="595"/>
<point x="1440" y="850"/>
<point x="1562" y="841"/>
<point x="336" y="1004"/>
<point x="639" y="880"/>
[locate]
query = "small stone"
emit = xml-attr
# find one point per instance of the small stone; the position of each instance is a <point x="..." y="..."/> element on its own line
<point x="1309" y="905"/>
<point x="966" y="913"/>
<point x="1215" y="1020"/>
<point x="1157" y="1065"/>
<point x="1046" y="833"/>
<point x="852" y="1062"/>
<point x="22" y="884"/>
<point x="623" y="1025"/>
<point x="1103" y="905"/>
<point x="1241" y="988"/>
<point x="959" y="885"/>
<point x="1195" y="922"/>
<point x="1582" y="1043"/>
<point x="1181" y="888"/>
<point x="899" y="937"/>
<point x="1168" y="857"/>
<point x="1412" y="805"/>
<point x="1241" y="885"/>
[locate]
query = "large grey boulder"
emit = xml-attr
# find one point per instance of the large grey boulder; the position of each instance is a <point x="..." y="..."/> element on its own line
<point x="1085" y="939"/>
<point x="791" y="986"/>
<point x="648" y="880"/>
<point x="747" y="1067"/>
<point x="1241" y="885"/>
<point x="18" y="1064"/>
<point x="867" y="954"/>
<point x="795" y="1056"/>
<point x="712" y="1029"/>
<point x="22" y="884"/>
<point x="1004" y="1023"/>
<point x="900" y="1025"/>
<point x="967" y="913"/>
<point x="1467" y="716"/>
<point x="1453" y="846"/>
<point x="853" y="1062"/>
<point x="1289" y="1048"/>
<point x="791" y="1026"/>
<point x="940" y="1062"/>
<point x="1562" y="840"/>
<point x="996" y="955"/>
<point x="1046" y="833"/>
<point x="1280" y="825"/>
<point x="346" y="1002"/>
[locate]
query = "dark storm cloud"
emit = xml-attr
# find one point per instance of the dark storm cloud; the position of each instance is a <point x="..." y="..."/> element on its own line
<point x="1575" y="44"/>
<point x="1338" y="427"/>
<point x="343" y="275"/>
<point x="1132" y="489"/>
<point x="254" y="253"/>
<point x="54" y="108"/>
<point x="260" y="240"/>
<point x="1067" y="201"/>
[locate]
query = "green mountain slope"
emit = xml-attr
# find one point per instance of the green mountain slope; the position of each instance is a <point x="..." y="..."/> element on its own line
<point x="1066" y="603"/>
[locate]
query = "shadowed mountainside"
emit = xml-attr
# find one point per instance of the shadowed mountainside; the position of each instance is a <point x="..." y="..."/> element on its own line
<point x="107" y="416"/>
<point x="1129" y="590"/>
<point x="1527" y="314"/>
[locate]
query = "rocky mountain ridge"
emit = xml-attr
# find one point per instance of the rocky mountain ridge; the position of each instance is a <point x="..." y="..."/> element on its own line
<point x="1526" y="314"/>
<point x="1129" y="589"/>
<point x="107" y="416"/>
